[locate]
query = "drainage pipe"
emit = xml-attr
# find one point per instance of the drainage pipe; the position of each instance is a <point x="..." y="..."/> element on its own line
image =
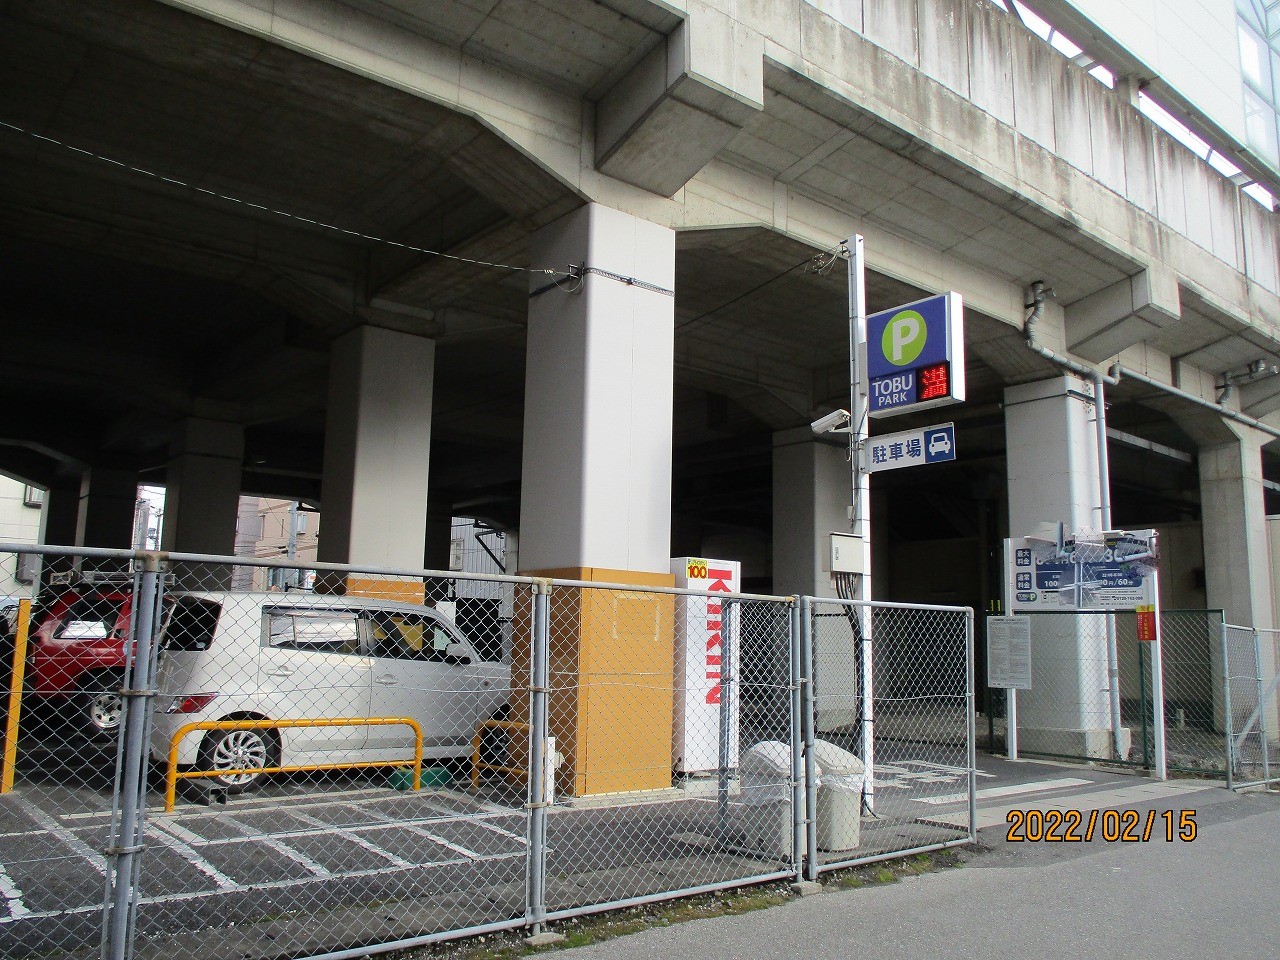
<point x="1117" y="372"/>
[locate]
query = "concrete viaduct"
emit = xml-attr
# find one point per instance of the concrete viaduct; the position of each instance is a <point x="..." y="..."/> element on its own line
<point x="240" y="242"/>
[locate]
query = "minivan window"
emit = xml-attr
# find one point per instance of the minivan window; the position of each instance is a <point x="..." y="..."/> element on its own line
<point x="326" y="632"/>
<point x="406" y="636"/>
<point x="191" y="624"/>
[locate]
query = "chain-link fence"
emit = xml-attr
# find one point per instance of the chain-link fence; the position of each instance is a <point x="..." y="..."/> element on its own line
<point x="889" y="728"/>
<point x="1067" y="713"/>
<point x="193" y="771"/>
<point x="1252" y="714"/>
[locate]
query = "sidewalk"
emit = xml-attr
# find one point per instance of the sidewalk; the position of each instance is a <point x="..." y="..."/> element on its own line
<point x="1213" y="897"/>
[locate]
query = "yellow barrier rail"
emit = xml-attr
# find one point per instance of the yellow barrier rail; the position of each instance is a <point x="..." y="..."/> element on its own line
<point x="173" y="774"/>
<point x="10" y="761"/>
<point x="477" y="765"/>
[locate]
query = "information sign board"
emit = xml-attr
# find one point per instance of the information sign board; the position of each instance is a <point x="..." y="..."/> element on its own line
<point x="1009" y="652"/>
<point x="911" y="448"/>
<point x="1108" y="571"/>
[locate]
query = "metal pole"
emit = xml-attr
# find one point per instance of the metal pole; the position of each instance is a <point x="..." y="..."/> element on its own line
<point x="868" y="712"/>
<point x="1226" y="712"/>
<point x="1142" y="705"/>
<point x="1157" y="685"/>
<point x="1010" y="694"/>
<point x="1104" y="501"/>
<point x="726" y="694"/>
<point x="1263" y="696"/>
<point x="971" y="728"/>
<point x="539" y="659"/>
<point x="807" y="722"/>
<point x="860" y="522"/>
<point x="126" y="840"/>
<point x="797" y="743"/>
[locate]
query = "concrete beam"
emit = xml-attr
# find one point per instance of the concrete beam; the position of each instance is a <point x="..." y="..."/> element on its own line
<point x="1261" y="398"/>
<point x="684" y="102"/>
<point x="1124" y="314"/>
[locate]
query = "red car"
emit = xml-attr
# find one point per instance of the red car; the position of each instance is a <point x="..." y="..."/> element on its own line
<point x="76" y="658"/>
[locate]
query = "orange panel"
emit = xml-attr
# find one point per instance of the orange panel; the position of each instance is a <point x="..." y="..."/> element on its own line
<point x="612" y="677"/>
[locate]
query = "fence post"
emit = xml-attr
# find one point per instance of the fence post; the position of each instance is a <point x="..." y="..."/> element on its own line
<point x="1227" y="708"/>
<point x="971" y="724"/>
<point x="1262" y="709"/>
<point x="807" y="721"/>
<point x="797" y="743"/>
<point x="726" y="721"/>
<point x="129" y="813"/>
<point x="539" y="668"/>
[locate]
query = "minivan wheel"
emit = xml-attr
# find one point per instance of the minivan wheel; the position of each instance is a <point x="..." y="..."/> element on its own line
<point x="238" y="750"/>
<point x="101" y="707"/>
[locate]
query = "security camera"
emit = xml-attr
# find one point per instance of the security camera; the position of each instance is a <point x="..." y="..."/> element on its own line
<point x="837" y="421"/>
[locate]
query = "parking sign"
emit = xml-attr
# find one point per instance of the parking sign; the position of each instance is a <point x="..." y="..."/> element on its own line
<point x="915" y="356"/>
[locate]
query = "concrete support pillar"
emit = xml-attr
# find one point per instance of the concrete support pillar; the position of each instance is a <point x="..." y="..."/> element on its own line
<point x="812" y="490"/>
<point x="595" y="501"/>
<point x="1053" y="478"/>
<point x="61" y="513"/>
<point x="202" y="492"/>
<point x="596" y="481"/>
<point x="377" y="451"/>
<point x="812" y="486"/>
<point x="1236" y="553"/>
<point x="107" y="509"/>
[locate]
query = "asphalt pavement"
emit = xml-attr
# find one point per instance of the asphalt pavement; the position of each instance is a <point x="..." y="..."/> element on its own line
<point x="1214" y="896"/>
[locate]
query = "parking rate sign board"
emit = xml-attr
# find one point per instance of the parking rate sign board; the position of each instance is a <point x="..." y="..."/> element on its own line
<point x="915" y="356"/>
<point x="911" y="448"/>
<point x="1111" y="571"/>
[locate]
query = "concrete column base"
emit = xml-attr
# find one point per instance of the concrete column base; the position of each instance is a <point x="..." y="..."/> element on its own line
<point x="1074" y="743"/>
<point x="611" y="701"/>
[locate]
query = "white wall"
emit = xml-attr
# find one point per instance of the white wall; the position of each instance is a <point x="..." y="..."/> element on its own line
<point x="18" y="524"/>
<point x="1191" y="44"/>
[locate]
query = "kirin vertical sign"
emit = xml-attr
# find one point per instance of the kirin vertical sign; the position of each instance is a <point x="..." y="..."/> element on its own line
<point x="700" y="663"/>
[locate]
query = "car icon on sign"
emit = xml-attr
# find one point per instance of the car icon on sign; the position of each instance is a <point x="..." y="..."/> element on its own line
<point x="939" y="443"/>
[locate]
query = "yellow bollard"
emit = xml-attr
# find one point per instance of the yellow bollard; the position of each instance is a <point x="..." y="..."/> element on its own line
<point x="15" y="696"/>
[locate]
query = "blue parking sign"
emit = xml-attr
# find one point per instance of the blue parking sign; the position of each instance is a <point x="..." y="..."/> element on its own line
<point x="940" y="443"/>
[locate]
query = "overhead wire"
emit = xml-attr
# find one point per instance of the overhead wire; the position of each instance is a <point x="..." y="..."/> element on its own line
<point x="819" y="263"/>
<point x="275" y="211"/>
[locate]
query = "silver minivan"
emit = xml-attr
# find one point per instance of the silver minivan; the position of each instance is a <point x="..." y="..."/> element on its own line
<point x="273" y="656"/>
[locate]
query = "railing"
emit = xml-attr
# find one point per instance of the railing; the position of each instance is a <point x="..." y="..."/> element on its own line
<point x="477" y="764"/>
<point x="173" y="774"/>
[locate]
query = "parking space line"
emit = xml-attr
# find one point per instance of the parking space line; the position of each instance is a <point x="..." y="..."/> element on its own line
<point x="52" y="826"/>
<point x="273" y="843"/>
<point x="459" y="816"/>
<point x="17" y="834"/>
<point x="248" y="804"/>
<point x="359" y="841"/>
<point x="12" y="895"/>
<point x="408" y="825"/>
<point x="1035" y="786"/>
<point x="188" y="853"/>
<point x="266" y="885"/>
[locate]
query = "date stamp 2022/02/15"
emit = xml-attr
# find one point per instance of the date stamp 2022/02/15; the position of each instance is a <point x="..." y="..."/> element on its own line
<point x="1113" y="826"/>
